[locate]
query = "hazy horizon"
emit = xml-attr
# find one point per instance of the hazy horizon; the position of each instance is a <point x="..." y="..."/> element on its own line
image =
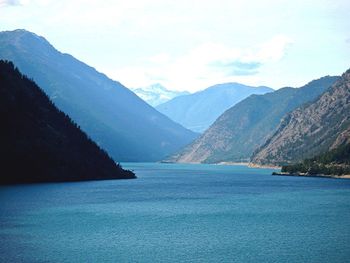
<point x="191" y="46"/>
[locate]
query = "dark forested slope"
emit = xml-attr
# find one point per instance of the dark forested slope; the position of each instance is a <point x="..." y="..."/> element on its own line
<point x="39" y="143"/>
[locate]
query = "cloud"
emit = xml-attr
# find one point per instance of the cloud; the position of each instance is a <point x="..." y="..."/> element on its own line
<point x="207" y="63"/>
<point x="160" y="58"/>
<point x="9" y="3"/>
<point x="274" y="49"/>
<point x="238" y="68"/>
<point x="250" y="60"/>
<point x="244" y="69"/>
<point x="245" y="66"/>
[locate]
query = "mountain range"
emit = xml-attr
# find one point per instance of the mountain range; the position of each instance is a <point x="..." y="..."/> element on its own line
<point x="199" y="110"/>
<point x="157" y="94"/>
<point x="39" y="143"/>
<point x="244" y="127"/>
<point x="114" y="117"/>
<point x="256" y="124"/>
<point x="311" y="129"/>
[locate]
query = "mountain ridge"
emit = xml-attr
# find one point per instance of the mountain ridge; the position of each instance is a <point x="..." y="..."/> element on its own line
<point x="197" y="111"/>
<point x="235" y="135"/>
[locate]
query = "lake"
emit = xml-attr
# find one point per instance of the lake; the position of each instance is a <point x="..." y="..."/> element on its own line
<point x="178" y="213"/>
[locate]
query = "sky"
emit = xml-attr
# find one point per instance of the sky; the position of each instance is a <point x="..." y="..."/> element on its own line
<point x="191" y="44"/>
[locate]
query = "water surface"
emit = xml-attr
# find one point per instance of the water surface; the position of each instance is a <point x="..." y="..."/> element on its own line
<point x="178" y="213"/>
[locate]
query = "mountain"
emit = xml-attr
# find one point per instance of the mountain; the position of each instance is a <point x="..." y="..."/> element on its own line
<point x="39" y="143"/>
<point x="114" y="117"/>
<point x="156" y="94"/>
<point x="240" y="130"/>
<point x="310" y="129"/>
<point x="334" y="163"/>
<point x="199" y="110"/>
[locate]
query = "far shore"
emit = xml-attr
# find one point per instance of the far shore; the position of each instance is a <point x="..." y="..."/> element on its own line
<point x="233" y="163"/>
<point x="248" y="164"/>
<point x="254" y="165"/>
<point x="251" y="165"/>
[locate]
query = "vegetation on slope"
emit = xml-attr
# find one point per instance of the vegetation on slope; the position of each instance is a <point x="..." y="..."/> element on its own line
<point x="333" y="162"/>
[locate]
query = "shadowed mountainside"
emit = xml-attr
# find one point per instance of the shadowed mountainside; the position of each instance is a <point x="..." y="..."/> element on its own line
<point x="39" y="143"/>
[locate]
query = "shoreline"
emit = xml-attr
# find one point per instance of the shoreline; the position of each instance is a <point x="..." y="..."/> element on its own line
<point x="345" y="176"/>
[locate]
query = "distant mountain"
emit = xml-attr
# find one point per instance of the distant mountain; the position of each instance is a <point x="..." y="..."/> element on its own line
<point x="240" y="130"/>
<point x="199" y="110"/>
<point x="39" y="143"/>
<point x="120" y="122"/>
<point x="311" y="129"/>
<point x="156" y="94"/>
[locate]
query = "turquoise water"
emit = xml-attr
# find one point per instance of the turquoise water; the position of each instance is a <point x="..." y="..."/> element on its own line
<point x="178" y="213"/>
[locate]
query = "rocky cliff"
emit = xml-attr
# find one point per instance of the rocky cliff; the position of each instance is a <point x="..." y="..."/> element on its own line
<point x="311" y="129"/>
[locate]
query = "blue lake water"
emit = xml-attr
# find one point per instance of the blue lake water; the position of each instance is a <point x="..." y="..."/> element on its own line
<point x="178" y="213"/>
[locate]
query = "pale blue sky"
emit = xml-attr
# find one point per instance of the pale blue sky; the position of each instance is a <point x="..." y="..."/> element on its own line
<point x="190" y="45"/>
